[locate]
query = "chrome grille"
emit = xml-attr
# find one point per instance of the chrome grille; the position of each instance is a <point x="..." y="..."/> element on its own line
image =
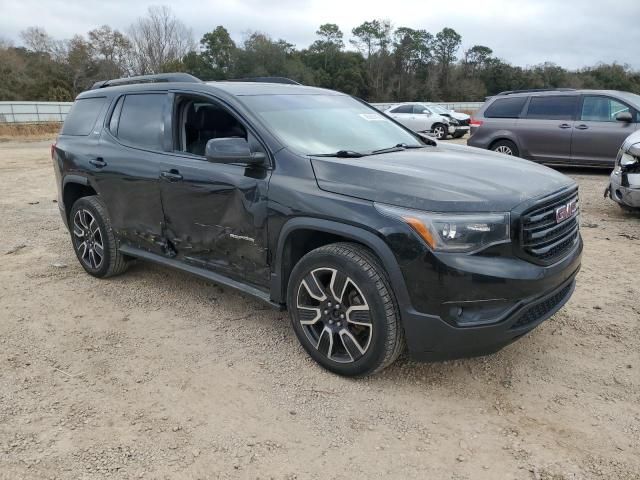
<point x="543" y="238"/>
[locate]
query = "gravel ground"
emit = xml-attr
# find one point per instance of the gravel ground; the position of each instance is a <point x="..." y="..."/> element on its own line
<point x="157" y="374"/>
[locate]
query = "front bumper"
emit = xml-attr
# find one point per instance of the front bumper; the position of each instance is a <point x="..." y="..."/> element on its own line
<point x="496" y="301"/>
<point x="627" y="194"/>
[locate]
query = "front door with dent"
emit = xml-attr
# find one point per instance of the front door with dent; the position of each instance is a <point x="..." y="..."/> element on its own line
<point x="215" y="214"/>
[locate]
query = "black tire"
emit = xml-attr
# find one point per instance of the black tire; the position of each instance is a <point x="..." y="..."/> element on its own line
<point x="628" y="209"/>
<point x="506" y="147"/>
<point x="90" y="228"/>
<point x="374" y="337"/>
<point x="459" y="134"/>
<point x="440" y="131"/>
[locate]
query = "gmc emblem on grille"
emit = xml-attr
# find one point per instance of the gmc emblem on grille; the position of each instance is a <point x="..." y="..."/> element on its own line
<point x="565" y="212"/>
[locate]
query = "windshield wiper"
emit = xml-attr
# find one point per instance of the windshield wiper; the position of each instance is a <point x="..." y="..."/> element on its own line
<point x="396" y="148"/>
<point x="340" y="154"/>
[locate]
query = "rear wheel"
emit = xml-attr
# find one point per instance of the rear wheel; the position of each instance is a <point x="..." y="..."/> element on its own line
<point x="440" y="131"/>
<point x="343" y="310"/>
<point x="506" y="147"/>
<point x="93" y="239"/>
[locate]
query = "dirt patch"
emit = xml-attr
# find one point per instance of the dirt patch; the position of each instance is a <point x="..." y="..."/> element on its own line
<point x="156" y="374"/>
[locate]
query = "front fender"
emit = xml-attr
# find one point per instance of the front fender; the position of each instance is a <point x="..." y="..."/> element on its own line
<point x="279" y="278"/>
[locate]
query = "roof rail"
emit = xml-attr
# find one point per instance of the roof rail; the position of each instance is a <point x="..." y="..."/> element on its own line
<point x="265" y="80"/>
<point x="533" y="90"/>
<point x="161" y="77"/>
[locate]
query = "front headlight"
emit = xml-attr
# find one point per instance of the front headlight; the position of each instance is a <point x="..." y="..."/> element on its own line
<point x="454" y="232"/>
<point x="626" y="160"/>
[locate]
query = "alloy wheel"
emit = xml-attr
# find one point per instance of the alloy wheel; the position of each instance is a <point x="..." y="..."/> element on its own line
<point x="334" y="315"/>
<point x="504" y="149"/>
<point x="88" y="239"/>
<point x="439" y="132"/>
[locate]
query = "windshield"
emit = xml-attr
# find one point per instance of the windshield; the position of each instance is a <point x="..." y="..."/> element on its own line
<point x="325" y="124"/>
<point x="631" y="98"/>
<point x="440" y="110"/>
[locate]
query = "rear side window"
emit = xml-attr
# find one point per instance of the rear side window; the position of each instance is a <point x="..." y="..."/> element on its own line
<point x="403" y="109"/>
<point x="552" y="107"/>
<point x="82" y="116"/>
<point x="141" y="122"/>
<point x="505" y="108"/>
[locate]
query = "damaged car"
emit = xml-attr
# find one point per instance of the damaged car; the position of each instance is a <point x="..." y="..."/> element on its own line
<point x="624" y="183"/>
<point x="374" y="238"/>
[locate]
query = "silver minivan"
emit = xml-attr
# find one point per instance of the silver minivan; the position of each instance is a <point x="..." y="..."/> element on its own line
<point x="558" y="127"/>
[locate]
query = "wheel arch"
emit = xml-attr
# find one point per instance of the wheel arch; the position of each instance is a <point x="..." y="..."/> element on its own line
<point x="73" y="188"/>
<point x="301" y="235"/>
<point x="501" y="136"/>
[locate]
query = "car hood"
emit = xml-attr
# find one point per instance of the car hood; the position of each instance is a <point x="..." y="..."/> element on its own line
<point x="631" y="140"/>
<point x="444" y="178"/>
<point x="459" y="116"/>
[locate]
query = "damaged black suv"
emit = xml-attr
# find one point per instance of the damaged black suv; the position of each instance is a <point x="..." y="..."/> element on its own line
<point x="372" y="237"/>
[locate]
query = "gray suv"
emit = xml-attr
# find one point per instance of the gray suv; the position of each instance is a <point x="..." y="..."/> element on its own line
<point x="562" y="126"/>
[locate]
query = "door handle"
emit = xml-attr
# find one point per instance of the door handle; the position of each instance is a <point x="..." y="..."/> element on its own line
<point x="564" y="125"/>
<point x="582" y="126"/>
<point x="172" y="175"/>
<point x="98" y="162"/>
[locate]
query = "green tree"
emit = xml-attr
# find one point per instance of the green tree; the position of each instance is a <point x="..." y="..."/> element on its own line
<point x="372" y="39"/>
<point x="219" y="52"/>
<point x="329" y="44"/>
<point x="445" y="46"/>
<point x="412" y="55"/>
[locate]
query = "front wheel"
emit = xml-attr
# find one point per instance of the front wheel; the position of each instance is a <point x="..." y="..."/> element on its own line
<point x="440" y="131"/>
<point x="343" y="310"/>
<point x="459" y="134"/>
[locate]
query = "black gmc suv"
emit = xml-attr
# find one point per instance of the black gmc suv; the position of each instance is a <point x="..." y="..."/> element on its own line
<point x="370" y="235"/>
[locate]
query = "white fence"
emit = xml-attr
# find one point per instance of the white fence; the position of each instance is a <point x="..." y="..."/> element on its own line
<point x="38" y="112"/>
<point x="33" y="112"/>
<point x="462" y="106"/>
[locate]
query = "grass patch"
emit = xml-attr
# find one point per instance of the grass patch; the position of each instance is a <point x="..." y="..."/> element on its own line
<point x="29" y="131"/>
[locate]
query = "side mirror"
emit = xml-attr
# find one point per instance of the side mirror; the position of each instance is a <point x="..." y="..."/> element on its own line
<point x="624" y="117"/>
<point x="232" y="150"/>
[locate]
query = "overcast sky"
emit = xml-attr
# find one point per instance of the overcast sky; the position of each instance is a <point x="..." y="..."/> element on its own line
<point x="571" y="33"/>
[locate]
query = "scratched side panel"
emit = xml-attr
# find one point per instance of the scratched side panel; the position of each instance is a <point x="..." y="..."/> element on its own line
<point x="215" y="217"/>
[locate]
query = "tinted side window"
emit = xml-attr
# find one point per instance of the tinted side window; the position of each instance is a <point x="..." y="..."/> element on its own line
<point x="82" y="116"/>
<point x="601" y="109"/>
<point x="505" y="108"/>
<point x="115" y="117"/>
<point x="420" y="109"/>
<point x="141" y="120"/>
<point x="403" y="109"/>
<point x="552" y="107"/>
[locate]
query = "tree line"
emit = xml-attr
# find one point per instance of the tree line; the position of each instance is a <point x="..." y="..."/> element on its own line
<point x="385" y="63"/>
